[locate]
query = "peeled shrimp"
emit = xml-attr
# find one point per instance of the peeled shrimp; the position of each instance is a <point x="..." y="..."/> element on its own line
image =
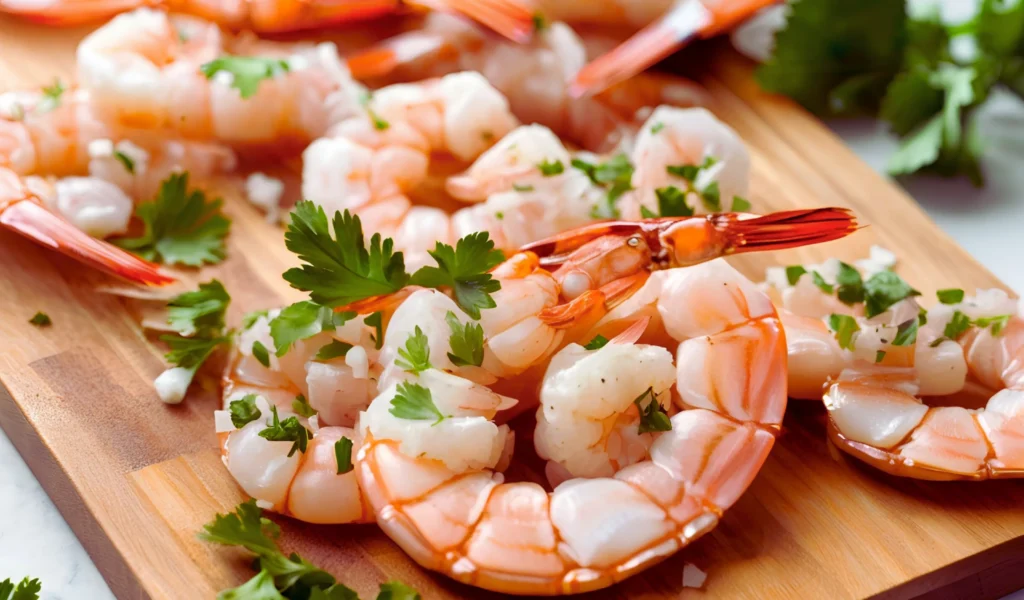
<point x="61" y="135"/>
<point x="142" y="70"/>
<point x="24" y="210"/>
<point x="506" y="17"/>
<point x="305" y="485"/>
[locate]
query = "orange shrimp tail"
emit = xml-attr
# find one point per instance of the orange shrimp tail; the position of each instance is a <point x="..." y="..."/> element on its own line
<point x="382" y="59"/>
<point x="509" y="18"/>
<point x="60" y="14"/>
<point x="631" y="334"/>
<point x="687" y="20"/>
<point x="42" y="226"/>
<point x="787" y="229"/>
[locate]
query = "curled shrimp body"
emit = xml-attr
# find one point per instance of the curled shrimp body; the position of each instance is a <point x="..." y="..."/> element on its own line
<point x="506" y="17"/>
<point x="142" y="70"/>
<point x="305" y="485"/>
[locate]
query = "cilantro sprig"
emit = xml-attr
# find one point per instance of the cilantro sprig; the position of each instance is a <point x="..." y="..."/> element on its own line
<point x="844" y="326"/>
<point x="180" y="227"/>
<point x="26" y="589"/>
<point x="198" y="321"/>
<point x="414" y="401"/>
<point x="247" y="71"/>
<point x="466" y="341"/>
<point x="289" y="430"/>
<point x="464" y="269"/>
<point x="281" y="575"/>
<point x="303" y="320"/>
<point x="244" y="411"/>
<point x="615" y="175"/>
<point x="414" y="357"/>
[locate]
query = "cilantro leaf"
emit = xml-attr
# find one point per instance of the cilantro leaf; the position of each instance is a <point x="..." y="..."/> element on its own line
<point x="740" y="204"/>
<point x="303" y="320"/>
<point x="413" y="401"/>
<point x="652" y="415"/>
<point x="415" y="355"/>
<point x="191" y="353"/>
<point x="711" y="197"/>
<point x="879" y="356"/>
<point x="126" y="161"/>
<point x="244" y="411"/>
<point x="950" y="296"/>
<point x="850" y="285"/>
<point x="539" y="21"/>
<point x="26" y="589"/>
<point x="598" y="342"/>
<point x="250" y="318"/>
<point x="615" y="175"/>
<point x="687" y="172"/>
<point x="260" y="587"/>
<point x="376" y="320"/>
<point x="672" y="202"/>
<point x="657" y="127"/>
<point x="200" y="311"/>
<point x="259" y="352"/>
<point x="244" y="527"/>
<point x="247" y="71"/>
<point x="819" y="281"/>
<point x="343" y="455"/>
<point x="41" y="319"/>
<point x="518" y="188"/>
<point x="884" y="289"/>
<point x="996" y="324"/>
<point x="794" y="273"/>
<point x="333" y="349"/>
<point x="340" y="270"/>
<point x="551" y="168"/>
<point x="836" y="56"/>
<point x="844" y="326"/>
<point x="181" y="227"/>
<point x="289" y="430"/>
<point x="466" y="341"/>
<point x="396" y="590"/>
<point x="464" y="269"/>
<point x="906" y="333"/>
<point x="957" y="326"/>
<point x="302" y="408"/>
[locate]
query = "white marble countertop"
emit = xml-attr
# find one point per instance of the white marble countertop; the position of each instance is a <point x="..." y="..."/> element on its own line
<point x="36" y="541"/>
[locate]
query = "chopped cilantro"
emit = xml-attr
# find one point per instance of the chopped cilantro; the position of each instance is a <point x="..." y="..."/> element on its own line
<point x="289" y="430"/>
<point x="598" y="342"/>
<point x="957" y="326"/>
<point x="303" y="320"/>
<point x="126" y="161"/>
<point x="819" y="281"/>
<point x="657" y="127"/>
<point x="518" y="188"/>
<point x="259" y="352"/>
<point x="199" y="311"/>
<point x="794" y="273"/>
<point x="243" y="411"/>
<point x="551" y="168"/>
<point x="844" y="326"/>
<point x="850" y="285"/>
<point x="950" y="296"/>
<point x="672" y="202"/>
<point x="615" y="175"/>
<point x="879" y="355"/>
<point x="740" y="204"/>
<point x="343" y="455"/>
<point x="652" y="415"/>
<point x="376" y="320"/>
<point x="301" y="407"/>
<point x="539" y="21"/>
<point x="884" y="289"/>
<point x="415" y="355"/>
<point x="995" y="324"/>
<point x="906" y="333"/>
<point x="464" y="269"/>
<point x="181" y="227"/>
<point x="250" y="318"/>
<point x="333" y="349"/>
<point x="41" y="319"/>
<point x="247" y="71"/>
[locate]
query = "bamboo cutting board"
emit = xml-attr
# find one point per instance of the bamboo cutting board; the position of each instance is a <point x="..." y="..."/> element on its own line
<point x="136" y="479"/>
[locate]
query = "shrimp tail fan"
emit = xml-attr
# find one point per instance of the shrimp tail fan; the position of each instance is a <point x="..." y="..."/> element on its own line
<point x="787" y="229"/>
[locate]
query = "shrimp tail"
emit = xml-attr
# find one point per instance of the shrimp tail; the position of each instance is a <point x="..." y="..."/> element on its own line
<point x="509" y="18"/>
<point x="688" y="20"/>
<point x="786" y="229"/>
<point x="48" y="229"/>
<point x="632" y="333"/>
<point x="382" y="59"/>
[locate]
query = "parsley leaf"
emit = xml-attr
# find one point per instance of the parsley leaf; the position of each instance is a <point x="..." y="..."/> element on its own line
<point x="191" y="353"/>
<point x="740" y="204"/>
<point x="672" y="202"/>
<point x="652" y="415"/>
<point x="882" y="290"/>
<point x="413" y="401"/>
<point x="687" y="172"/>
<point x="466" y="341"/>
<point x="245" y="527"/>
<point x="598" y="342"/>
<point x="711" y="197"/>
<point x="302" y="408"/>
<point x="340" y="270"/>
<point x="615" y="175"/>
<point x="289" y="430"/>
<point x="844" y="327"/>
<point x="376" y="320"/>
<point x="181" y="227"/>
<point x="996" y="324"/>
<point x="819" y="281"/>
<point x="247" y="71"/>
<point x="396" y="590"/>
<point x="950" y="296"/>
<point x="259" y="352"/>
<point x="26" y="589"/>
<point x="124" y="159"/>
<point x="836" y="56"/>
<point x="200" y="311"/>
<point x="415" y="355"/>
<point x="343" y="455"/>
<point x="794" y="273"/>
<point x="303" y="320"/>
<point x="41" y="319"/>
<point x="333" y="349"/>
<point x="244" y="411"/>
<point x="906" y="333"/>
<point x="551" y="168"/>
<point x="464" y="268"/>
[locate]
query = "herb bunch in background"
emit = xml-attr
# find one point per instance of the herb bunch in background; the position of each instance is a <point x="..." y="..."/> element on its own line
<point x="875" y="57"/>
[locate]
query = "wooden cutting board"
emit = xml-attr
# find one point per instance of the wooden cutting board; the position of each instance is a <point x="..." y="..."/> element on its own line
<point x="136" y="479"/>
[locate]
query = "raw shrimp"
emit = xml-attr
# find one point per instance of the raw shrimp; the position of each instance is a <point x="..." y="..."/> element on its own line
<point x="532" y="76"/>
<point x="24" y="211"/>
<point x="684" y="21"/>
<point x="371" y="164"/>
<point x="673" y="137"/>
<point x="506" y="17"/>
<point x="305" y="485"/>
<point x="142" y="70"/>
<point x="58" y="133"/>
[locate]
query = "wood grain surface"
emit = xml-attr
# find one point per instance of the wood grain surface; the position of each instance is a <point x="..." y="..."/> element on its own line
<point x="136" y="479"/>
